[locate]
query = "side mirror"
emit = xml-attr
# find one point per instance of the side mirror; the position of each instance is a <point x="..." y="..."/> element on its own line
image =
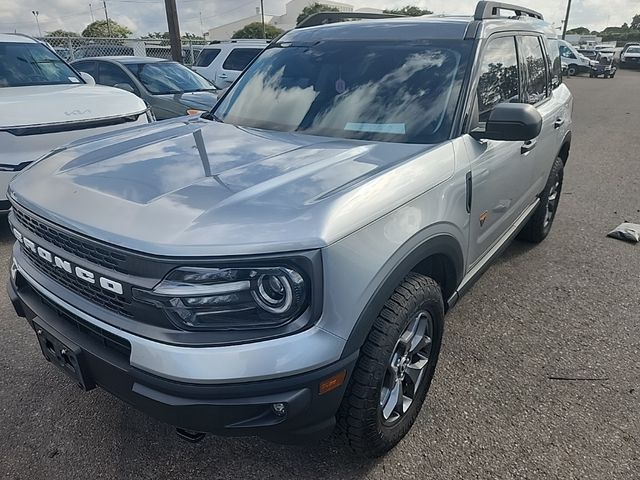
<point x="511" y="122"/>
<point x="88" y="79"/>
<point x="125" y="86"/>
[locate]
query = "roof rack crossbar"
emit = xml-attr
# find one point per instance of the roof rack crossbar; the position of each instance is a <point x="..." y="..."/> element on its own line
<point x="487" y="10"/>
<point x="322" y="18"/>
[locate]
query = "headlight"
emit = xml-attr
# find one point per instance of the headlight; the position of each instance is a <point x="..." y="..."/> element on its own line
<point x="197" y="298"/>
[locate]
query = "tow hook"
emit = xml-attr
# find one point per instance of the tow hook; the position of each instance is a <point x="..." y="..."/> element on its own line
<point x="190" y="436"/>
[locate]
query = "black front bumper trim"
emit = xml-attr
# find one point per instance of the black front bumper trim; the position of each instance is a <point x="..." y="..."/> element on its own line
<point x="238" y="409"/>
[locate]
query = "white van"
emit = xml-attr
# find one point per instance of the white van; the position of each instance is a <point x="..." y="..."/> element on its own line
<point x="44" y="103"/>
<point x="575" y="61"/>
<point x="221" y="62"/>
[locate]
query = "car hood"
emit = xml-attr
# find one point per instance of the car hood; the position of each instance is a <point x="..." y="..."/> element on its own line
<point x="52" y="104"/>
<point x="198" y="100"/>
<point x="193" y="187"/>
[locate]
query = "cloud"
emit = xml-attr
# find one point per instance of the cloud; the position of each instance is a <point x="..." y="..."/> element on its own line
<point x="144" y="16"/>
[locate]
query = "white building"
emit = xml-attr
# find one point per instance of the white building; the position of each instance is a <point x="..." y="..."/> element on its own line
<point x="283" y="22"/>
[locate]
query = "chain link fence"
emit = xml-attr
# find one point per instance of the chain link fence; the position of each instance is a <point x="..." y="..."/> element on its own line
<point x="75" y="48"/>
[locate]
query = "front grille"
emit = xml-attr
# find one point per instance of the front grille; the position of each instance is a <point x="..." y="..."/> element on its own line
<point x="91" y="291"/>
<point x="113" y="342"/>
<point x="100" y="255"/>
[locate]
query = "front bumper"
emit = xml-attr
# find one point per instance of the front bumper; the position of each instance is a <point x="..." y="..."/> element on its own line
<point x="225" y="409"/>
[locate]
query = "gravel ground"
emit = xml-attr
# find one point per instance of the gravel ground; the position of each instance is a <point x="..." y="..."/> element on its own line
<point x="503" y="403"/>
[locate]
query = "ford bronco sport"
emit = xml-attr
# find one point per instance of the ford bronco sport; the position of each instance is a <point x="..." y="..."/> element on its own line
<point x="284" y="263"/>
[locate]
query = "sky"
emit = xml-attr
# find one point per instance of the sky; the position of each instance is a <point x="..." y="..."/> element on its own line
<point x="143" y="16"/>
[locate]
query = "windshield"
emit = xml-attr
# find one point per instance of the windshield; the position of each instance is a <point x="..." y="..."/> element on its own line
<point x="23" y="64"/>
<point x="392" y="91"/>
<point x="633" y="50"/>
<point x="161" y="78"/>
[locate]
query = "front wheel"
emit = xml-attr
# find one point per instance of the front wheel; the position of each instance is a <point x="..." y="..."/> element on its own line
<point x="539" y="225"/>
<point x="573" y="70"/>
<point x="393" y="374"/>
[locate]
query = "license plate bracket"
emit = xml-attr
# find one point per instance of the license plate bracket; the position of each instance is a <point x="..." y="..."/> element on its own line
<point x="64" y="354"/>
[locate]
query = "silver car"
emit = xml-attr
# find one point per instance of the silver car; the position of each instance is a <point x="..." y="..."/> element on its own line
<point x="169" y="88"/>
<point x="284" y="264"/>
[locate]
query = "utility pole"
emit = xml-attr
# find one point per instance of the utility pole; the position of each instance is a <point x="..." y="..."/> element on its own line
<point x="106" y="15"/>
<point x="92" y="17"/>
<point x="35" y="14"/>
<point x="201" y="25"/>
<point x="264" y="32"/>
<point x="174" y="30"/>
<point x="566" y="20"/>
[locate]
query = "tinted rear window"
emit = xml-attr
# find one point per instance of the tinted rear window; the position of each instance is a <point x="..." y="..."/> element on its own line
<point x="239" y="58"/>
<point x="207" y="56"/>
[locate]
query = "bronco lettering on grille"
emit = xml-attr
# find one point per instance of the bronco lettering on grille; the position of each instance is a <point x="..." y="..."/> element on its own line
<point x="65" y="265"/>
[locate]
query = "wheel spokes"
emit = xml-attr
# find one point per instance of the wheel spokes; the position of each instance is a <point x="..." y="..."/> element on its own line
<point x="393" y="400"/>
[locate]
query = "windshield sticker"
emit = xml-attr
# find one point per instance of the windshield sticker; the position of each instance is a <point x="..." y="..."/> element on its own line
<point x="395" y="128"/>
<point x="74" y="80"/>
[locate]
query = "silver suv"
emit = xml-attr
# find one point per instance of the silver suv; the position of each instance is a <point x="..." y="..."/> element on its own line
<point x="285" y="262"/>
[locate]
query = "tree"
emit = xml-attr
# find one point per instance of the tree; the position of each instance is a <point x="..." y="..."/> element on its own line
<point x="579" y="31"/>
<point x="61" y="33"/>
<point x="315" y="8"/>
<point x="160" y="35"/>
<point x="635" y="23"/>
<point x="254" y="30"/>
<point x="99" y="28"/>
<point x="409" y="11"/>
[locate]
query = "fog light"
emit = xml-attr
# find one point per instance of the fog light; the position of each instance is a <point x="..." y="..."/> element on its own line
<point x="280" y="409"/>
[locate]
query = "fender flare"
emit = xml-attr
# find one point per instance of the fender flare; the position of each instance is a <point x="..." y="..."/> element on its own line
<point x="566" y="142"/>
<point x="396" y="268"/>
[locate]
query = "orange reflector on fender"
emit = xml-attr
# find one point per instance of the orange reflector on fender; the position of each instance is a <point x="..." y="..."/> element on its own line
<point x="333" y="382"/>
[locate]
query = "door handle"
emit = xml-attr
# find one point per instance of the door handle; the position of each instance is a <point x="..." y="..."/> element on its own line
<point x="528" y="146"/>
<point x="558" y="123"/>
<point x="222" y="75"/>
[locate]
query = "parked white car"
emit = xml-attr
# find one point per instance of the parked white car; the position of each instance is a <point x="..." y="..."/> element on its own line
<point x="44" y="103"/>
<point x="221" y="62"/>
<point x="576" y="62"/>
<point x="630" y="57"/>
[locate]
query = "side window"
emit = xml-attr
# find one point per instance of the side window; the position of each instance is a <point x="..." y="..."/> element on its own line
<point x="207" y="56"/>
<point x="239" y="58"/>
<point x="499" y="76"/>
<point x="536" y="68"/>
<point x="111" y="75"/>
<point x="555" y="64"/>
<point x="566" y="52"/>
<point x="87" y="67"/>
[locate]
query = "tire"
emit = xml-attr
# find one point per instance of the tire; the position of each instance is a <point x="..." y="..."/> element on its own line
<point x="539" y="225"/>
<point x="573" y="70"/>
<point x="370" y="418"/>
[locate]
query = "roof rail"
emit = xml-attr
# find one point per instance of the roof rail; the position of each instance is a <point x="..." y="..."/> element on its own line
<point x="322" y="18"/>
<point x="487" y="10"/>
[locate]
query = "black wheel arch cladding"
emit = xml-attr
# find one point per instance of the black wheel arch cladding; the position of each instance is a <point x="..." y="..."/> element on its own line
<point x="440" y="246"/>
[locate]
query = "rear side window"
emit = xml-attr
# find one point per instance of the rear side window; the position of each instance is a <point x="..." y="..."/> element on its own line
<point x="111" y="75"/>
<point x="86" y="67"/>
<point x="556" y="64"/>
<point x="239" y="58"/>
<point x="499" y="76"/>
<point x="207" y="56"/>
<point x="536" y="68"/>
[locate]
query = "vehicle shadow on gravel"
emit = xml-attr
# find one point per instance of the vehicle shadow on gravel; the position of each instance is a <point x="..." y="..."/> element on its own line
<point x="139" y="439"/>
<point x="515" y="250"/>
<point x="5" y="230"/>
